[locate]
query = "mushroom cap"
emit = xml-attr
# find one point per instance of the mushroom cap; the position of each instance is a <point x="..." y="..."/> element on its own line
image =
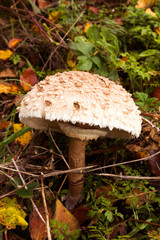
<point x="81" y="105"/>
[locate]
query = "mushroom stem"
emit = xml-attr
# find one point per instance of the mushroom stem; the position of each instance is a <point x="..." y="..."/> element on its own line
<point x="76" y="181"/>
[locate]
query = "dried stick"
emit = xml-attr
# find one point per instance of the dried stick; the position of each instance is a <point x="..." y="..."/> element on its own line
<point x="62" y="41"/>
<point x="146" y="120"/>
<point x="13" y="191"/>
<point x="46" y="210"/>
<point x="59" y="150"/>
<point x="127" y="177"/>
<point x="128" y="162"/>
<point x="20" y="175"/>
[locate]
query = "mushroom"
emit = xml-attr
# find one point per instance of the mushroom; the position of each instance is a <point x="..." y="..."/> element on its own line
<point x="83" y="106"/>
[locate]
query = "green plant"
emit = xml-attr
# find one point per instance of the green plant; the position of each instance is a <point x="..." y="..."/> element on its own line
<point x="145" y="102"/>
<point x="98" y="51"/>
<point x="62" y="232"/>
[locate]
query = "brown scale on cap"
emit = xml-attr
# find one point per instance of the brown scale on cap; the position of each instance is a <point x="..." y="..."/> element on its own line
<point x="83" y="106"/>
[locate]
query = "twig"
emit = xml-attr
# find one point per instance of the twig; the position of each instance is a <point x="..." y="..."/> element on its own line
<point x="152" y="114"/>
<point x="35" y="21"/>
<point x="61" y="41"/>
<point x="20" y="175"/>
<point x="13" y="191"/>
<point x="99" y="151"/>
<point x="138" y="220"/>
<point x="127" y="177"/>
<point x="46" y="210"/>
<point x="61" y="185"/>
<point x="55" y="173"/>
<point x="146" y="120"/>
<point x="128" y="162"/>
<point x="58" y="149"/>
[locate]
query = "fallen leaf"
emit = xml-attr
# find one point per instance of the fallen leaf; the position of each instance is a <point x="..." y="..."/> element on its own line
<point x="156" y="93"/>
<point x="44" y="3"/>
<point x="150" y="12"/>
<point x="145" y="3"/>
<point x="25" y="138"/>
<point x="54" y="16"/>
<point x="70" y="62"/>
<point x="35" y="28"/>
<point x="5" y="54"/>
<point x="28" y="78"/>
<point x="157" y="29"/>
<point x="62" y="214"/>
<point x="94" y="10"/>
<point x="154" y="163"/>
<point x="137" y="198"/>
<point x="6" y="88"/>
<point x="18" y="99"/>
<point x="4" y="124"/>
<point x="142" y="154"/>
<point x="37" y="227"/>
<point x="119" y="21"/>
<point x="8" y="73"/>
<point x="11" y="214"/>
<point x="87" y="26"/>
<point x="141" y="4"/>
<point x="80" y="213"/>
<point x="14" y="42"/>
<point x="105" y="191"/>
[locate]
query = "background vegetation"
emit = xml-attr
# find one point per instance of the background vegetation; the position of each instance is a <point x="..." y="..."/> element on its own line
<point x="116" y="39"/>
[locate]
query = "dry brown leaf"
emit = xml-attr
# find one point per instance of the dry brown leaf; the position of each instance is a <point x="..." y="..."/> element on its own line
<point x="37" y="228"/>
<point x="94" y="10"/>
<point x="44" y="3"/>
<point x="80" y="213"/>
<point x="137" y="198"/>
<point x="62" y="214"/>
<point x="14" y="42"/>
<point x="4" y="124"/>
<point x="28" y="78"/>
<point x="18" y="100"/>
<point x="8" y="73"/>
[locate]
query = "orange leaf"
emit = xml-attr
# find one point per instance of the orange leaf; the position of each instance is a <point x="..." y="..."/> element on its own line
<point x="25" y="138"/>
<point x="43" y="3"/>
<point x="37" y="228"/>
<point x="14" y="42"/>
<point x="28" y="78"/>
<point x="4" y="124"/>
<point x="158" y="30"/>
<point x="62" y="214"/>
<point x="6" y="88"/>
<point x="35" y="28"/>
<point x="150" y="12"/>
<point x="87" y="26"/>
<point x="54" y="16"/>
<point x="5" y="54"/>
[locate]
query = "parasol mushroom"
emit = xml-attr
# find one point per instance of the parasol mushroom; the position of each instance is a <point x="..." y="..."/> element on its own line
<point x="83" y="106"/>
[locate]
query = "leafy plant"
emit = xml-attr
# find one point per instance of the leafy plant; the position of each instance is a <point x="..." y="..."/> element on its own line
<point x="145" y="102"/>
<point x="62" y="232"/>
<point x="98" y="51"/>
